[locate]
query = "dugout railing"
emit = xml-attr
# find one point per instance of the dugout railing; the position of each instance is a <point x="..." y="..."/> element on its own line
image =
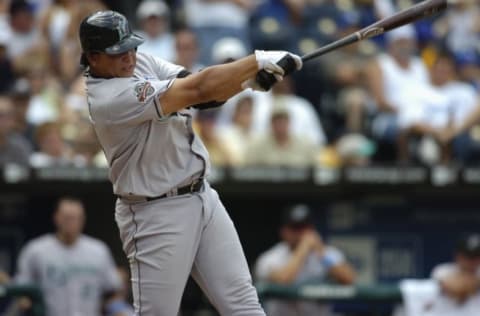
<point x="10" y="292"/>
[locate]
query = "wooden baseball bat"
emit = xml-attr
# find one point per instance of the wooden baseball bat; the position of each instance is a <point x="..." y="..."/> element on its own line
<point x="409" y="15"/>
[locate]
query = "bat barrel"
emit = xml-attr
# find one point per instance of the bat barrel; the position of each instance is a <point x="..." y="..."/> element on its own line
<point x="423" y="9"/>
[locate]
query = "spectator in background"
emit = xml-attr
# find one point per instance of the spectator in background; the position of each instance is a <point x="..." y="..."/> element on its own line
<point x="301" y="256"/>
<point x="7" y="75"/>
<point x="73" y="271"/>
<point x="70" y="46"/>
<point x="444" y="103"/>
<point x="305" y="122"/>
<point x="219" y="149"/>
<point x="280" y="147"/>
<point x="345" y="76"/>
<point x="26" y="46"/>
<point x="461" y="26"/>
<point x="391" y="76"/>
<point x="21" y="95"/>
<point x="213" y="20"/>
<point x="52" y="150"/>
<point x="460" y="279"/>
<point x="228" y="49"/>
<point x="186" y="48"/>
<point x="87" y="152"/>
<point x="154" y="16"/>
<point x="463" y="101"/>
<point x="14" y="149"/>
<point x="46" y="93"/>
<point x="54" y="24"/>
<point x="239" y="134"/>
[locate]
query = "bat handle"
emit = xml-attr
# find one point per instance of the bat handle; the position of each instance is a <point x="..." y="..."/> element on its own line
<point x="267" y="80"/>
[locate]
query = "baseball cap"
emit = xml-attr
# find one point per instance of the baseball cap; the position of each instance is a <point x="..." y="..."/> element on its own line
<point x="469" y="245"/>
<point x="228" y="48"/>
<point x="297" y="215"/>
<point x="148" y="8"/>
<point x="404" y="32"/>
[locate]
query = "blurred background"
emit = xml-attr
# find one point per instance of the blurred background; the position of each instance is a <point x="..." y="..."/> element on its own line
<point x="380" y="140"/>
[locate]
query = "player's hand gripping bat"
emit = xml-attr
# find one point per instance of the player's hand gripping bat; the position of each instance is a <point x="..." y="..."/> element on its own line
<point x="412" y="14"/>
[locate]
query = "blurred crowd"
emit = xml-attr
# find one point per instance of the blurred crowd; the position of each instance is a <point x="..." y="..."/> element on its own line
<point x="409" y="96"/>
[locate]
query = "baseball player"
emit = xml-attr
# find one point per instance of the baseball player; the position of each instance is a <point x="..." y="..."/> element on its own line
<point x="171" y="222"/>
<point x="73" y="271"/>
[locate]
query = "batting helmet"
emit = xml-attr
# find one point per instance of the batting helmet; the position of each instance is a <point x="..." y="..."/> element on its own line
<point x="108" y="32"/>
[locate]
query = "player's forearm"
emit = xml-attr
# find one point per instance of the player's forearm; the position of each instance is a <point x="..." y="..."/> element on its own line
<point x="224" y="81"/>
<point x="216" y="83"/>
<point x="290" y="271"/>
<point x="343" y="273"/>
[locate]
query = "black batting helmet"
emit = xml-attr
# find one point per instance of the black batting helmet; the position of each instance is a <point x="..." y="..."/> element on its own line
<point x="108" y="32"/>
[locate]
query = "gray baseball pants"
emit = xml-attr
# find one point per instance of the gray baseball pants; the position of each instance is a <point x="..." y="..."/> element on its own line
<point x="168" y="239"/>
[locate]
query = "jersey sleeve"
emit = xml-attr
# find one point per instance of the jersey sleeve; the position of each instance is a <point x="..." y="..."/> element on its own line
<point x="332" y="257"/>
<point x="164" y="69"/>
<point x="265" y="265"/>
<point x="442" y="271"/>
<point x="136" y="101"/>
<point x="26" y="266"/>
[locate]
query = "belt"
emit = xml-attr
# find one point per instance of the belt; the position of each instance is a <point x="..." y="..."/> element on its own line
<point x="193" y="187"/>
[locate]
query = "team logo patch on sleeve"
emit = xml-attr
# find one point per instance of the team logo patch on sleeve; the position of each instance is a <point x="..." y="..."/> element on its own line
<point x="143" y="90"/>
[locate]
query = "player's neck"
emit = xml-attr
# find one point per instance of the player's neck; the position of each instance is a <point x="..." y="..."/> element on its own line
<point x="67" y="240"/>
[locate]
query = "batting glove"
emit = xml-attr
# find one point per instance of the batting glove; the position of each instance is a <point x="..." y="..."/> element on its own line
<point x="273" y="66"/>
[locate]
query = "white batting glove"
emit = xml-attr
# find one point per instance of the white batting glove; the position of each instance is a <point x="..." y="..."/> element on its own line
<point x="267" y="60"/>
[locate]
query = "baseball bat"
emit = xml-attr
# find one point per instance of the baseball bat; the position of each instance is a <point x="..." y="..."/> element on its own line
<point x="414" y="13"/>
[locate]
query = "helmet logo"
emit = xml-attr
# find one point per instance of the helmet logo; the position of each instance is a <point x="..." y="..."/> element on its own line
<point x="123" y="29"/>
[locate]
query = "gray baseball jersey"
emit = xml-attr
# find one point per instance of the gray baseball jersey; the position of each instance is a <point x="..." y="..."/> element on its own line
<point x="71" y="278"/>
<point x="148" y="153"/>
<point x="166" y="239"/>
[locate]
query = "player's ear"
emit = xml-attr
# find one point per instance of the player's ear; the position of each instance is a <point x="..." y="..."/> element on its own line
<point x="92" y="58"/>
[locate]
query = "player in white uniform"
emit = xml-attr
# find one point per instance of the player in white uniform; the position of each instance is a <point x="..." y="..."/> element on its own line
<point x="172" y="223"/>
<point x="73" y="271"/>
<point x="301" y="257"/>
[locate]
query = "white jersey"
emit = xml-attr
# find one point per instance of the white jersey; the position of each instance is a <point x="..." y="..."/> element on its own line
<point x="148" y="152"/>
<point x="444" y="270"/>
<point x="313" y="270"/>
<point x="397" y="80"/>
<point x="71" y="278"/>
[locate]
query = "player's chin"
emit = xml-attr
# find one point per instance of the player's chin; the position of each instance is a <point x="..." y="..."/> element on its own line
<point x="126" y="73"/>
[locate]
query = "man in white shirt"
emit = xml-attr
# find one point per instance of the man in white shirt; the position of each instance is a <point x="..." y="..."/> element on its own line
<point x="460" y="279"/>
<point x="301" y="256"/>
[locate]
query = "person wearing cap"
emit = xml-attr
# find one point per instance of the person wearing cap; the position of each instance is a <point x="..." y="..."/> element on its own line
<point x="169" y="218"/>
<point x="392" y="78"/>
<point x="301" y="257"/>
<point x="228" y="49"/>
<point x="460" y="279"/>
<point x="154" y="17"/>
<point x="25" y="47"/>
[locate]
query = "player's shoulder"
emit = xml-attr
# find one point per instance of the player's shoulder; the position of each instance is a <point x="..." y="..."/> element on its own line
<point x="147" y="62"/>
<point x="93" y="244"/>
<point x="276" y="252"/>
<point x="443" y="270"/>
<point x="40" y="244"/>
